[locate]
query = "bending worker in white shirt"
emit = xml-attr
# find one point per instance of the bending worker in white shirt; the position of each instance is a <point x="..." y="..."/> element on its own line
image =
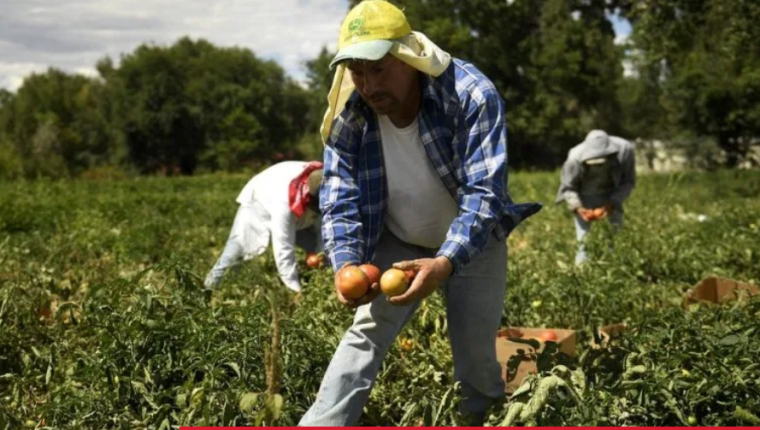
<point x="282" y="201"/>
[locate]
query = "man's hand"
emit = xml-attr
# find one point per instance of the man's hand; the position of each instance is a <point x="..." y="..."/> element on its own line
<point x="586" y="214"/>
<point x="373" y="291"/>
<point x="603" y="212"/>
<point x="430" y="274"/>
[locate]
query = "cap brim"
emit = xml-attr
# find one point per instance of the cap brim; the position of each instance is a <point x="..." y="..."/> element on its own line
<point x="369" y="51"/>
<point x="590" y="155"/>
<point x="594" y="161"/>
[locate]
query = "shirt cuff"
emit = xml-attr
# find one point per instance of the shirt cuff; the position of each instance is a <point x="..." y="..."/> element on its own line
<point x="292" y="284"/>
<point x="339" y="258"/>
<point x="572" y="200"/>
<point x="456" y="253"/>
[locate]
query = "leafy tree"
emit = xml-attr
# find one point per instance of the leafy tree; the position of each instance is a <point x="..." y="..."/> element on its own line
<point x="54" y="125"/>
<point x="318" y="82"/>
<point x="554" y="62"/>
<point x="709" y="52"/>
<point x="195" y="105"/>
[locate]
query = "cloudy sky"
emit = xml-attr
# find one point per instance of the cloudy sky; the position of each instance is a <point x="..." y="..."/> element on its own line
<point x="73" y="34"/>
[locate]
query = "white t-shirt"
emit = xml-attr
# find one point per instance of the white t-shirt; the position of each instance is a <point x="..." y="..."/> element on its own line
<point x="420" y="208"/>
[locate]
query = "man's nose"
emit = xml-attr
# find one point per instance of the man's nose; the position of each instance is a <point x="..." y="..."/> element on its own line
<point x="370" y="84"/>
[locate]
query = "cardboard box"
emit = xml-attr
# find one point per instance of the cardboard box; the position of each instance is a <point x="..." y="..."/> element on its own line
<point x="714" y="289"/>
<point x="505" y="349"/>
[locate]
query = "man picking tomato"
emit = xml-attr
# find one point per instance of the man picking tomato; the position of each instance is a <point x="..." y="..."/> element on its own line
<point x="415" y="178"/>
<point x="282" y="203"/>
<point x="597" y="177"/>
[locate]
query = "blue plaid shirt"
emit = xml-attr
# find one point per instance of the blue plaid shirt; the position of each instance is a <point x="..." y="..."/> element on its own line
<point x="464" y="132"/>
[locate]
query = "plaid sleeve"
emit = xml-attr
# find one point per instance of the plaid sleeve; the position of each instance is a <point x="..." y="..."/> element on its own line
<point x="339" y="196"/>
<point x="483" y="197"/>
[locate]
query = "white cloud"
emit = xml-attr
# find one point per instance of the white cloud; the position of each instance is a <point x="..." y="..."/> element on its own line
<point x="12" y="74"/>
<point x="73" y="34"/>
<point x="87" y="71"/>
<point x="621" y="39"/>
<point x="629" y="69"/>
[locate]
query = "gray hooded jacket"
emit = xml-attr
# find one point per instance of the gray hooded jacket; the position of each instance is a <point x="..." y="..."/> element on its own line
<point x="599" y="153"/>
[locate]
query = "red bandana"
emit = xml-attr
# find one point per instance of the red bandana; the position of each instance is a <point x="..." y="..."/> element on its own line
<point x="298" y="192"/>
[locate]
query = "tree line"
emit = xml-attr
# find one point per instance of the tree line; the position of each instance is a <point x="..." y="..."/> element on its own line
<point x="693" y="81"/>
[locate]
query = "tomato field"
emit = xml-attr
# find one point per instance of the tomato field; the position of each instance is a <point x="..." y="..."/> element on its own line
<point x="104" y="324"/>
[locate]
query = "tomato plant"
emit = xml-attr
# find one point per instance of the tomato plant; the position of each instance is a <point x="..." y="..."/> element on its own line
<point x="104" y="324"/>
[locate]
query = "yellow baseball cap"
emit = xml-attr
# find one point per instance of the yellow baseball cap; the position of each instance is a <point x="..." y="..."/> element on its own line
<point x="368" y="31"/>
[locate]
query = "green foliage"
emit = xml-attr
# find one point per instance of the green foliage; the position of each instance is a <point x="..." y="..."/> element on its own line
<point x="673" y="368"/>
<point x="709" y="53"/>
<point x="11" y="164"/>
<point x="103" y="323"/>
<point x="553" y="61"/>
<point x="55" y="126"/>
<point x="319" y="79"/>
<point x="168" y="110"/>
<point x="193" y="105"/>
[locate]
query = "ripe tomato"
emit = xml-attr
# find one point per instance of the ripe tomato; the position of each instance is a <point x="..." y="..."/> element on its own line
<point x="314" y="260"/>
<point x="410" y="274"/>
<point x="548" y="336"/>
<point x="352" y="282"/>
<point x="394" y="282"/>
<point x="372" y="272"/>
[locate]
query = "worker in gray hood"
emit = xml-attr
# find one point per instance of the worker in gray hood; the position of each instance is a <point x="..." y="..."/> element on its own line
<point x="597" y="177"/>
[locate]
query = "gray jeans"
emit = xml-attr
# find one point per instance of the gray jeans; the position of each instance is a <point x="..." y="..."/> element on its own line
<point x="233" y="252"/>
<point x="474" y="305"/>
